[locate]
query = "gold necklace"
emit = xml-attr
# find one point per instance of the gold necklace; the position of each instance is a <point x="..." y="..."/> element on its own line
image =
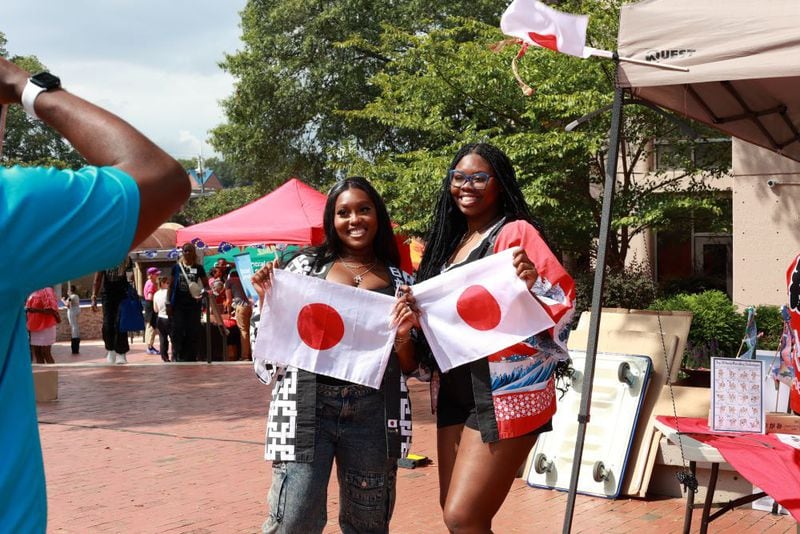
<point x="358" y="277"/>
<point x="479" y="231"/>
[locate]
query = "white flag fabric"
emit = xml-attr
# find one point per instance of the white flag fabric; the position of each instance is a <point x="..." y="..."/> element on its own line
<point x="326" y="328"/>
<point x="537" y="24"/>
<point x="476" y="310"/>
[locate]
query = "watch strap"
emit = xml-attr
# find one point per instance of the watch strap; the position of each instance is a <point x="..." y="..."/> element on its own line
<point x="29" y="94"/>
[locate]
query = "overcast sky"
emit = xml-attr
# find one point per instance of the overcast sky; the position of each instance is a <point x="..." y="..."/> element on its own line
<point x="154" y="63"/>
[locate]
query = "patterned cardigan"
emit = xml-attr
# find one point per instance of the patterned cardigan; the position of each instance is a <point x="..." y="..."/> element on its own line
<point x="292" y="411"/>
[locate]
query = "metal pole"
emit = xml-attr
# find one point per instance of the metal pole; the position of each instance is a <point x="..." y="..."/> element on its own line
<point x="201" y="172"/>
<point x="208" y="327"/>
<point x="597" y="294"/>
<point x="3" y="115"/>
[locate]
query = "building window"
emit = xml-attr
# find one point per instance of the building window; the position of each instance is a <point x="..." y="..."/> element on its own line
<point x="704" y="154"/>
<point x="699" y="255"/>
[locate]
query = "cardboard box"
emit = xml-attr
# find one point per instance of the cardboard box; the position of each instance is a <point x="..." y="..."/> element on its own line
<point x="783" y="423"/>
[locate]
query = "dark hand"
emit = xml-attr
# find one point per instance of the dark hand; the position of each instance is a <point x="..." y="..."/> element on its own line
<point x="262" y="279"/>
<point x="12" y="81"/>
<point x="405" y="313"/>
<point x="526" y="270"/>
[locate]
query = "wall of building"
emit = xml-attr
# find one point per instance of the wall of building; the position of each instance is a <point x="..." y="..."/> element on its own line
<point x="91" y="324"/>
<point x="766" y="224"/>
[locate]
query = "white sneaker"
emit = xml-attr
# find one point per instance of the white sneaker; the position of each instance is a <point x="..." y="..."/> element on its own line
<point x="121" y="359"/>
<point x="111" y="356"/>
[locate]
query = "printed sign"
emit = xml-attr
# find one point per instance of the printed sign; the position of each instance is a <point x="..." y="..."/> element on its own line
<point x="736" y="395"/>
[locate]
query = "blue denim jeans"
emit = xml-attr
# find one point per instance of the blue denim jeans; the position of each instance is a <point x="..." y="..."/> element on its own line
<point x="351" y="430"/>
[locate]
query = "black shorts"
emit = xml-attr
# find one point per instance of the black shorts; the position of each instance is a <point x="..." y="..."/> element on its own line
<point x="456" y="402"/>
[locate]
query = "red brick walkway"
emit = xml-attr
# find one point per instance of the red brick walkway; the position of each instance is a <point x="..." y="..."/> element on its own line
<point x="178" y="449"/>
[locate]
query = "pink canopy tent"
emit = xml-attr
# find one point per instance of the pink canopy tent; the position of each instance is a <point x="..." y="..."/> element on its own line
<point x="291" y="214"/>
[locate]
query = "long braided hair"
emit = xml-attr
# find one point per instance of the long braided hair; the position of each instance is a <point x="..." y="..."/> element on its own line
<point x="384" y="246"/>
<point x="449" y="224"/>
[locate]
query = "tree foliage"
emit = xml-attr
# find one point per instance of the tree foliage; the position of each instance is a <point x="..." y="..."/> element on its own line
<point x="203" y="208"/>
<point x="294" y="78"/>
<point x="391" y="90"/>
<point x="30" y="142"/>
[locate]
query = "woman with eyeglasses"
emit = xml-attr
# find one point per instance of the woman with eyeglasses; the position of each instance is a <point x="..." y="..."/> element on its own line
<point x="490" y="412"/>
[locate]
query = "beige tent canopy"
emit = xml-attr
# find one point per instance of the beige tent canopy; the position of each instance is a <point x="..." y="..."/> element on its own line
<point x="743" y="59"/>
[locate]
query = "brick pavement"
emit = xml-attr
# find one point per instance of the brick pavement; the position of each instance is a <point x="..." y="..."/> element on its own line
<point x="155" y="447"/>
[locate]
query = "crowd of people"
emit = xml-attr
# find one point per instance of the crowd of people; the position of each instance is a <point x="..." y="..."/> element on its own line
<point x="171" y="311"/>
<point x="131" y="186"/>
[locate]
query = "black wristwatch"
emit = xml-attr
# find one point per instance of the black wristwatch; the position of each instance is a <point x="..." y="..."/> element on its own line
<point x="38" y="83"/>
<point x="46" y="81"/>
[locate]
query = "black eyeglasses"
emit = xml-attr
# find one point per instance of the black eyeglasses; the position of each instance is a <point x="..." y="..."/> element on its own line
<point x="479" y="180"/>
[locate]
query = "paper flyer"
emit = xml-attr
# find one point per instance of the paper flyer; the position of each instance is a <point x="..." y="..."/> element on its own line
<point x="736" y="395"/>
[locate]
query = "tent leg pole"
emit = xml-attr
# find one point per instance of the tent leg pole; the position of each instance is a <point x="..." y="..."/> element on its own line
<point x="597" y="294"/>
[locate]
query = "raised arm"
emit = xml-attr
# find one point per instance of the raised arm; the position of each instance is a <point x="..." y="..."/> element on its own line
<point x="106" y="140"/>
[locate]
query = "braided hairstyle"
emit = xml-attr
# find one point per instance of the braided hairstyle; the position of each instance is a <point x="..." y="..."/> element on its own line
<point x="384" y="246"/>
<point x="449" y="224"/>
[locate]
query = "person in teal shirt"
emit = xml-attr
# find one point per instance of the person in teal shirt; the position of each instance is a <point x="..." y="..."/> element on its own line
<point x="57" y="225"/>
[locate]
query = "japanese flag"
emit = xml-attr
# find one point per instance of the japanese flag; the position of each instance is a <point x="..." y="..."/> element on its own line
<point x="326" y="328"/>
<point x="537" y="24"/>
<point x="478" y="309"/>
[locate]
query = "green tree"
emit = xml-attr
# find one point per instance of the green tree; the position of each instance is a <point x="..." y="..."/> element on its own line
<point x="200" y="209"/>
<point x="30" y="142"/>
<point x="445" y="87"/>
<point x="391" y="90"/>
<point x="294" y="77"/>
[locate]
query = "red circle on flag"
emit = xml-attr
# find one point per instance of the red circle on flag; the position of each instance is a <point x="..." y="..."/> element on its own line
<point x="478" y="308"/>
<point x="320" y="326"/>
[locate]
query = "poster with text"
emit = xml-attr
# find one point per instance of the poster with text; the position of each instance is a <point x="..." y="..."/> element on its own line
<point x="736" y="395"/>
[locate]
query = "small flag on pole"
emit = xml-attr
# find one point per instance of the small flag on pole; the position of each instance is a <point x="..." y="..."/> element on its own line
<point x="536" y="24"/>
<point x="750" y="336"/>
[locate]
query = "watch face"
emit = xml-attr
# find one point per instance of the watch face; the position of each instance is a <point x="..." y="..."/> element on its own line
<point x="46" y="80"/>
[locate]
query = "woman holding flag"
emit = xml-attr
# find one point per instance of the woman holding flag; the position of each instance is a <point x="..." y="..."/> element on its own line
<point x="489" y="412"/>
<point x="315" y="419"/>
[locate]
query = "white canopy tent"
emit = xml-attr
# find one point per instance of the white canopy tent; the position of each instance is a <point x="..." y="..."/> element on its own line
<point x="743" y="61"/>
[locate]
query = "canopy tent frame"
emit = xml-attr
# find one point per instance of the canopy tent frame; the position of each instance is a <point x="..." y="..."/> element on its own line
<point x="741" y="80"/>
<point x="748" y="114"/>
<point x="584" y="414"/>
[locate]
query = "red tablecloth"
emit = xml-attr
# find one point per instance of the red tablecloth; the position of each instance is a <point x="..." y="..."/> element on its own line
<point x="762" y="459"/>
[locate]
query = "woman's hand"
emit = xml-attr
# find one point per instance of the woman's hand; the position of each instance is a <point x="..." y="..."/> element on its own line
<point x="526" y="270"/>
<point x="405" y="313"/>
<point x="262" y="279"/>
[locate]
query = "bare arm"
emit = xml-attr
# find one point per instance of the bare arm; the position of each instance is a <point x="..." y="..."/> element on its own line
<point x="96" y="283"/>
<point x="106" y="140"/>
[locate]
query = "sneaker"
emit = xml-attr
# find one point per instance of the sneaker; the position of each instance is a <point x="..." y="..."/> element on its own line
<point x="111" y="356"/>
<point x="152" y="351"/>
<point x="121" y="359"/>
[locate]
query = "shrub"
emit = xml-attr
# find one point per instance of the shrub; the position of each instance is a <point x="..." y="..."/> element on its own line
<point x="632" y="288"/>
<point x="691" y="284"/>
<point x="717" y="327"/>
<point x="770" y="323"/>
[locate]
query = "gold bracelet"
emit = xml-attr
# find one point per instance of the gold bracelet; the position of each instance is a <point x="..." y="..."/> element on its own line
<point x="402" y="340"/>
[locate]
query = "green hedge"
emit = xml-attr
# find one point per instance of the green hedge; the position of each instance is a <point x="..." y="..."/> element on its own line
<point x="633" y="288"/>
<point x="718" y="327"/>
<point x="769" y="321"/>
